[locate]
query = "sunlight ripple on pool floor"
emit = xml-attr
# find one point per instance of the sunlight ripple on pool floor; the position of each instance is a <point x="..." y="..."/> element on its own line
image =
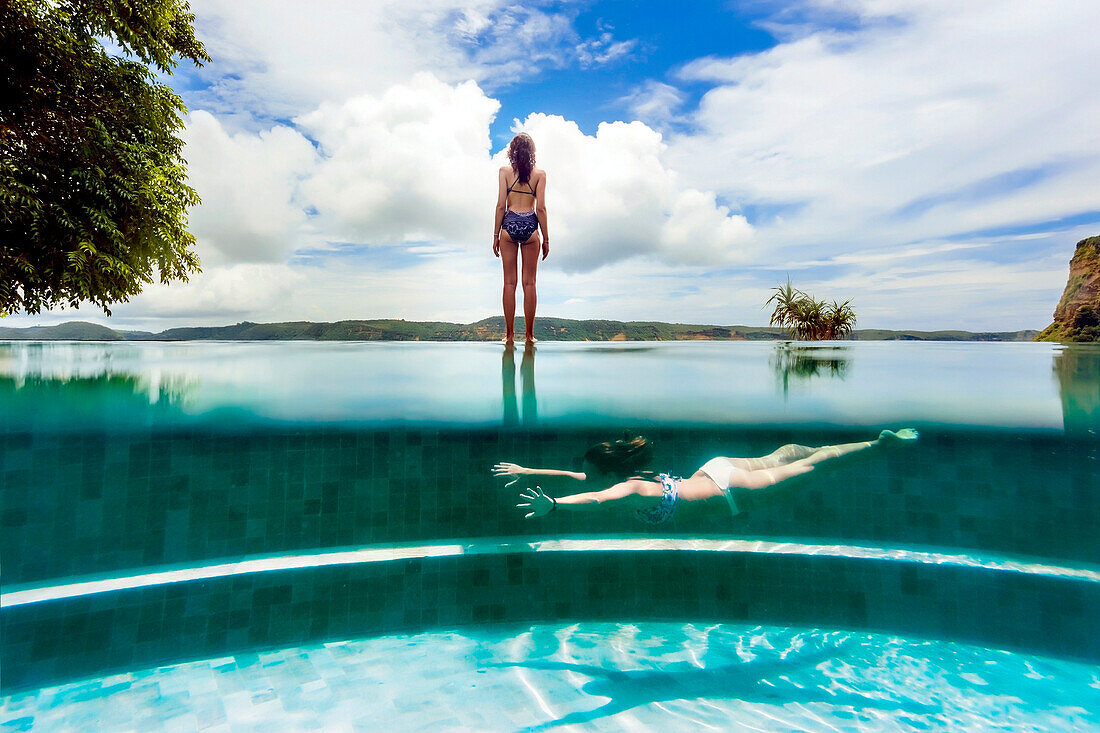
<point x="650" y="676"/>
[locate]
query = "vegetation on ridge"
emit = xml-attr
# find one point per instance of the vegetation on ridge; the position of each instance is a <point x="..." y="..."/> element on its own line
<point x="488" y="329"/>
<point x="1077" y="316"/>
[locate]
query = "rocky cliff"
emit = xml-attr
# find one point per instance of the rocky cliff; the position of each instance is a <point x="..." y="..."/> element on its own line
<point x="1077" y="317"/>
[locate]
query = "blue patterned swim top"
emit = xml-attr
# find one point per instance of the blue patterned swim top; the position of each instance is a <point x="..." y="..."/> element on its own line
<point x="663" y="511"/>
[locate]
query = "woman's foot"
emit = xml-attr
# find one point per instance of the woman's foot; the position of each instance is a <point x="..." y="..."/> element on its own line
<point x="905" y="434"/>
<point x="531" y="339"/>
<point x="509" y="339"/>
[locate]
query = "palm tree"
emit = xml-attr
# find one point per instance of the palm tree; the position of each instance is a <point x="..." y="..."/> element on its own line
<point x="840" y="319"/>
<point x="810" y="319"/>
<point x="786" y="299"/>
<point x="807" y="318"/>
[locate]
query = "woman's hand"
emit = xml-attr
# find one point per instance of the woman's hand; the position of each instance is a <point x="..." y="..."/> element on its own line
<point x="496" y="246"/>
<point x="509" y="469"/>
<point x="539" y="503"/>
<point x="902" y="436"/>
<point x="545" y="248"/>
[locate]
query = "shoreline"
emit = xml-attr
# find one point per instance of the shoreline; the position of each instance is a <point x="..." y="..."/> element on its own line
<point x="485" y="330"/>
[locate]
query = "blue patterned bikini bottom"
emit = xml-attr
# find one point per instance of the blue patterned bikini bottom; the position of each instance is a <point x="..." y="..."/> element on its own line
<point x="520" y="226"/>
<point x="663" y="511"/>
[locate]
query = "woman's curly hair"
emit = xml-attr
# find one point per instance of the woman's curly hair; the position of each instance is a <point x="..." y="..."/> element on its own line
<point x="521" y="154"/>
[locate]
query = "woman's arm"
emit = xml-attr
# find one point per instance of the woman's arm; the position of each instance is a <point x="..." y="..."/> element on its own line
<point x="540" y="213"/>
<point x="502" y="204"/>
<point x="540" y="504"/>
<point x="513" y="469"/>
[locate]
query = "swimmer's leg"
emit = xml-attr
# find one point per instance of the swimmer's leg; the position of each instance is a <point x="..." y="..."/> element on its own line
<point x="779" y="457"/>
<point x="825" y="452"/>
<point x="763" y="477"/>
<point x="790" y="453"/>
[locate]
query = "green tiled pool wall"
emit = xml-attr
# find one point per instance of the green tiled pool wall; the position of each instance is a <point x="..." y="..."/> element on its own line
<point x="52" y="641"/>
<point x="75" y="504"/>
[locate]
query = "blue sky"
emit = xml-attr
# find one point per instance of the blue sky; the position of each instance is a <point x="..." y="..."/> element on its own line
<point x="933" y="161"/>
<point x="663" y="41"/>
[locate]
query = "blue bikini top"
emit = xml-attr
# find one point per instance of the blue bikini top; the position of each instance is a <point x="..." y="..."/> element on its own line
<point x="516" y="183"/>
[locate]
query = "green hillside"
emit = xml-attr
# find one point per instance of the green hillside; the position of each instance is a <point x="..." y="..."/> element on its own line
<point x="871" y="334"/>
<point x="70" y="331"/>
<point x="488" y="329"/>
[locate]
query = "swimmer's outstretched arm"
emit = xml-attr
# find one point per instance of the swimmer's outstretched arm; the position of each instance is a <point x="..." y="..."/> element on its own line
<point x="763" y="478"/>
<point x="515" y="470"/>
<point x="539" y="504"/>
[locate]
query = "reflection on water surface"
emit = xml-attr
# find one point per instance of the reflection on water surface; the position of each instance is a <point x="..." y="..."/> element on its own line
<point x="805" y="362"/>
<point x="1078" y="372"/>
<point x="722" y="383"/>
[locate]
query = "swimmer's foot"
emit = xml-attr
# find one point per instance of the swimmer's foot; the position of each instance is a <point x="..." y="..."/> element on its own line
<point x="531" y="339"/>
<point x="905" y="434"/>
<point x="509" y="339"/>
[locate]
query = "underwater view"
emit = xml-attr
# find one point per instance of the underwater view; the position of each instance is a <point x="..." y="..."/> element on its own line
<point x="598" y="676"/>
<point x="228" y="534"/>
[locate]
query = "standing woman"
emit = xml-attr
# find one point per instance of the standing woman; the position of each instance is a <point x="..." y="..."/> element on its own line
<point x="520" y="212"/>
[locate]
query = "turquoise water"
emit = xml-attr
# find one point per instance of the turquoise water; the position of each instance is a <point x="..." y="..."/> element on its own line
<point x="647" y="676"/>
<point x="134" y="455"/>
<point x="127" y="461"/>
<point x="71" y="386"/>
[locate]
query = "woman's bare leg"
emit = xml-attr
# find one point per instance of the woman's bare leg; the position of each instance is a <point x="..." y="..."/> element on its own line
<point x="793" y="452"/>
<point x="827" y="452"/>
<point x="509" y="254"/>
<point x="764" y="477"/>
<point x="531" y="250"/>
<point x="779" y="457"/>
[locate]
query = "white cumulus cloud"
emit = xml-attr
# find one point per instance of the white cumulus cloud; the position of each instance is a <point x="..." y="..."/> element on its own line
<point x="612" y="196"/>
<point x="248" y="184"/>
<point x="244" y="291"/>
<point x="928" y="119"/>
<point x="655" y="102"/>
<point x="411" y="164"/>
<point x="278" y="59"/>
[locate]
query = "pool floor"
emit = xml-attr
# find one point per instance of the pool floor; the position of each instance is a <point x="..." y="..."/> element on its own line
<point x="588" y="676"/>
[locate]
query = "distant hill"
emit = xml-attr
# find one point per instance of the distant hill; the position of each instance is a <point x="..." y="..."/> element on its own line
<point x="872" y="334"/>
<point x="71" y="331"/>
<point x="488" y="329"/>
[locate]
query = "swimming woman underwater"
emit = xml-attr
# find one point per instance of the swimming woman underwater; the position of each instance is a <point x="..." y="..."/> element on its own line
<point x="520" y="213"/>
<point x="654" y="499"/>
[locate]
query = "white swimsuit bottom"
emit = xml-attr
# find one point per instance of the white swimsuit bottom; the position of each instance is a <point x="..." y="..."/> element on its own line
<point x="718" y="470"/>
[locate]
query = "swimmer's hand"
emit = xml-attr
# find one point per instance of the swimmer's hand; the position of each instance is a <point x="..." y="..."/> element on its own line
<point x="905" y="434"/>
<point x="510" y="469"/>
<point x="539" y="503"/>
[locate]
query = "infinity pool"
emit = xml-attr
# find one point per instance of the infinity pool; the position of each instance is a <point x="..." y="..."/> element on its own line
<point x="199" y="504"/>
<point x="1016" y="385"/>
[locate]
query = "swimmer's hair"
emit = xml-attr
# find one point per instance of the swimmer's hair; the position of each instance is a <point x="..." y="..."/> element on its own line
<point x="621" y="458"/>
<point x="521" y="154"/>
